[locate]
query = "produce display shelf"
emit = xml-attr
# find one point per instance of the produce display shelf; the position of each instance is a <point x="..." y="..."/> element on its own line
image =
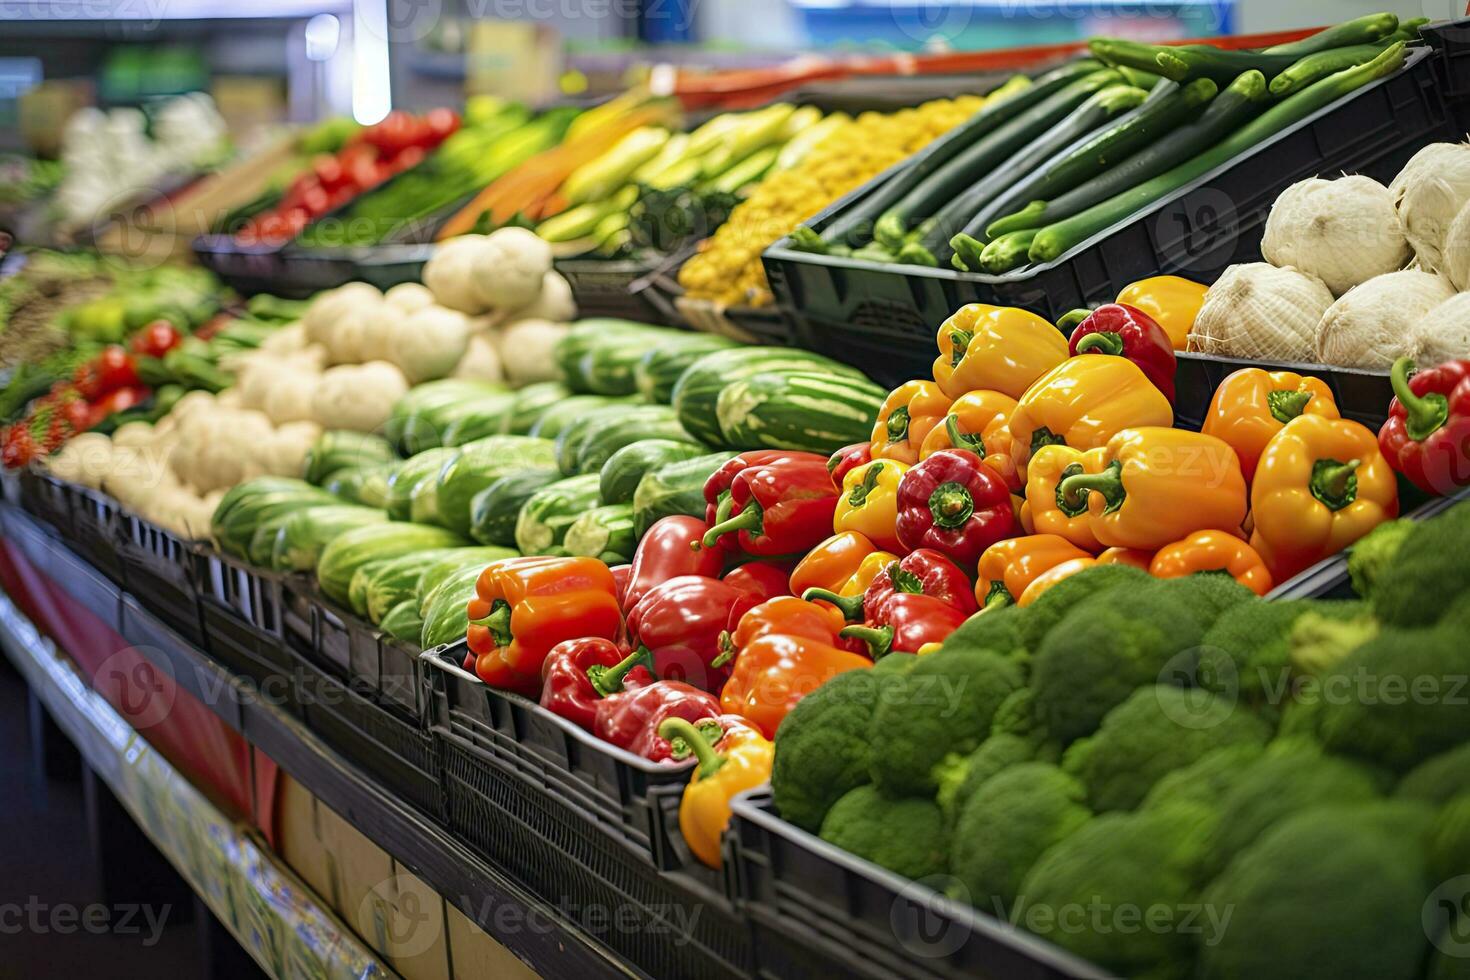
<point x="1361" y="395"/>
<point x="453" y="870"/>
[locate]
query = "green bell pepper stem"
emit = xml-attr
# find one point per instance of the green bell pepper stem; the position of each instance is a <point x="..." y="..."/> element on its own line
<point x="710" y="761"/>
<point x="859" y="494"/>
<point x="748" y="519"/>
<point x="1335" y="484"/>
<point x="898" y="424"/>
<point x="1102" y="342"/>
<point x="878" y="638"/>
<point x="1074" y="489"/>
<point x="963" y="440"/>
<point x="998" y="596"/>
<point x="951" y="505"/>
<point x="609" y="680"/>
<point x="723" y="505"/>
<point x="1423" y="415"/>
<point x="498" y="623"/>
<point x="851" y="606"/>
<point x="959" y="342"/>
<point x="728" y="649"/>
<point x="1287" y="405"/>
<point x="1071" y="320"/>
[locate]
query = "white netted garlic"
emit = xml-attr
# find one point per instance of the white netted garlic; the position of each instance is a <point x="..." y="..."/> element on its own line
<point x="1371" y="324"/>
<point x="1429" y="192"/>
<point x="1259" y="311"/>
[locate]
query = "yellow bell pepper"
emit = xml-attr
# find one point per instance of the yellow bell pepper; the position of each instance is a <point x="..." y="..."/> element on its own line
<point x="909" y="414"/>
<point x="996" y="347"/>
<point x="1046" y="510"/>
<point x="978" y="421"/>
<point x="1083" y="402"/>
<point x="845" y="563"/>
<point x="1008" y="567"/>
<point x="868" y="503"/>
<point x="1172" y="301"/>
<point x="1320" y="485"/>
<point x="1149" y="487"/>
<point x="740" y="760"/>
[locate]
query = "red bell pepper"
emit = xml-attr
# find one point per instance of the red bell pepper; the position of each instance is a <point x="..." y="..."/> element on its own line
<point x="954" y="503"/>
<point x="650" y="744"/>
<point x="717" y="493"/>
<point x="156" y="339"/>
<point x="763" y="579"/>
<point x="1126" y="331"/>
<point x="630" y="720"/>
<point x="622" y="575"/>
<point x="785" y="616"/>
<point x="847" y="459"/>
<point x="681" y="621"/>
<point x="671" y="548"/>
<point x="906" y="621"/>
<point x="1427" y="434"/>
<point x="922" y="572"/>
<point x="577" y="674"/>
<point x="781" y="507"/>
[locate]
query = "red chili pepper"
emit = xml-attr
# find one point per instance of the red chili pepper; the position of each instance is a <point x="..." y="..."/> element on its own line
<point x="906" y="622"/>
<point x="630" y="719"/>
<point x="156" y="339"/>
<point x="1427" y="434"/>
<point x="670" y="548"/>
<point x="954" y="503"/>
<point x="848" y="458"/>
<point x="17" y="448"/>
<point x="1131" y="333"/>
<point x="922" y="572"/>
<point x="577" y="674"/>
<point x="763" y="579"/>
<point x="681" y="621"/>
<point x="781" y="507"/>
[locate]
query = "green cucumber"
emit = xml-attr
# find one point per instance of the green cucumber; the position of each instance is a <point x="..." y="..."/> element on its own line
<point x="660" y="367"/>
<point x="299" y="541"/>
<point x="1056" y="240"/>
<point x="479" y="464"/>
<point x="1313" y="67"/>
<point x="544" y="519"/>
<point x="1359" y="30"/>
<point x="569" y="441"/>
<point x="574" y="352"/>
<point x="604" y="532"/>
<point x="412" y="424"/>
<point x="1186" y="62"/>
<point x="605" y="440"/>
<point x="494" y="510"/>
<point x="353" y="482"/>
<point x="357" y="589"/>
<point x="1228" y="111"/>
<point x="816" y="413"/>
<point x="416" y="476"/>
<point x="372" y="489"/>
<point x="697" y="392"/>
<point x="556" y="418"/>
<point x="347" y="552"/>
<point x="404" y="623"/>
<point x="488" y="416"/>
<point x="339" y="450"/>
<point x="380" y="585"/>
<point x="619" y="476"/>
<point x="531" y="401"/>
<point x="445" y="610"/>
<point x="674" y="488"/>
<point x="1005" y="253"/>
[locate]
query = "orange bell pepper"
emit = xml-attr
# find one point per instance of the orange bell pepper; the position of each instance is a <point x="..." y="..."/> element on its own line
<point x="525" y="606"/>
<point x="1213" y="551"/>
<point x="1172" y="301"/>
<point x="776" y="671"/>
<point x="1083" y="402"/>
<point x="1052" y="576"/>
<point x="978" y="421"/>
<point x="909" y="414"/>
<point x="1252" y="405"/>
<point x="1151" y="486"/>
<point x="1137" y="557"/>
<point x="868" y="503"/>
<point x="788" y="615"/>
<point x="839" y="565"/>
<point x="1047" y="511"/>
<point x="996" y="347"/>
<point x="1008" y="567"/>
<point x="739" y="760"/>
<point x="1321" y="484"/>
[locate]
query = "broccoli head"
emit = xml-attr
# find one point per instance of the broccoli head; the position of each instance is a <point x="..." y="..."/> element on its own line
<point x="1318" y="641"/>
<point x="997" y="629"/>
<point x="1006" y="825"/>
<point x="906" y="836"/>
<point x="1448" y="965"/>
<point x="1449" y="840"/>
<point x="1247" y="653"/>
<point x="1049" y="608"/>
<point x="961" y="776"/>
<point x="1293" y="775"/>
<point x="1209" y="594"/>
<point x="1332" y="891"/>
<point x="1107" y="646"/>
<point x="1206" y="780"/>
<point x="1374" y="552"/>
<point x="1156" y="730"/>
<point x="943" y="706"/>
<point x="1439" y="779"/>
<point x="1017" y="716"/>
<point x="1397" y="699"/>
<point x="1427" y="572"/>
<point x="1135" y="865"/>
<point x="822" y="747"/>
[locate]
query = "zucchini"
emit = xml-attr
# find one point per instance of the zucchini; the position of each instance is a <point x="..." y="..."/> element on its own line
<point x="544" y="519"/>
<point x="530" y="402"/>
<point x="373" y="490"/>
<point x="674" y="488"/>
<point x="339" y="450"/>
<point x="605" y="440"/>
<point x="403" y="622"/>
<point x="854" y="225"/>
<point x="620" y="474"/>
<point x="412" y="425"/>
<point x="660" y="367"/>
<point x="479" y="464"/>
<point x="397" y="579"/>
<point x="1055" y="240"/>
<point x="351" y="483"/>
<point x="299" y="541"/>
<point x="445" y="610"/>
<point x="437" y="571"/>
<point x="604" y="532"/>
<point x="1318" y="66"/>
<point x="1359" y="30"/>
<point x="576" y="435"/>
<point x="812" y="412"/>
<point x="494" y="510"/>
<point x="357" y="588"/>
<point x="417" y="476"/>
<point x="487" y="416"/>
<point x="697" y="392"/>
<point x="235" y="522"/>
<point x="935" y="233"/>
<point x="984" y="155"/>
<point x="1005" y="253"/>
<point x="582" y="349"/>
<point x="561" y="415"/>
<point x="342" y="557"/>
<point x="1240" y="100"/>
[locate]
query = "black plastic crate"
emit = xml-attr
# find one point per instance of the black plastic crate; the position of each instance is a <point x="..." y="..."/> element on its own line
<point x="882" y="318"/>
<point x="1452" y="39"/>
<point x="296" y="597"/>
<point x="630" y="799"/>
<point x="342" y="644"/>
<point x="96" y="529"/>
<point x="870" y="921"/>
<point x="241" y="616"/>
<point x="401" y="678"/>
<point x="160" y="570"/>
<point x="45" y="497"/>
<point x="665" y="924"/>
<point x="605" y="287"/>
<point x="1362" y="396"/>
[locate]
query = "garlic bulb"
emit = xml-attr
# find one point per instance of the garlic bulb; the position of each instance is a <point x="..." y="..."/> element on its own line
<point x="1371" y="324"/>
<point x="1342" y="231"/>
<point x="1429" y="193"/>
<point x="1259" y="311"/>
<point x="1442" y="334"/>
<point x="1457" y="250"/>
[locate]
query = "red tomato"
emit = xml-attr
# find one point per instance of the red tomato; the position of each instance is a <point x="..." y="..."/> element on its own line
<point x="156" y="339"/>
<point x="78" y="414"/>
<point x="115" y="369"/>
<point x="274" y="228"/>
<point x="117" y="401"/>
<point x="443" y="122"/>
<point x="86" y="381"/>
<point x="329" y="171"/>
<point x="316" y="200"/>
<point x="17" y="448"/>
<point x="410" y="157"/>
